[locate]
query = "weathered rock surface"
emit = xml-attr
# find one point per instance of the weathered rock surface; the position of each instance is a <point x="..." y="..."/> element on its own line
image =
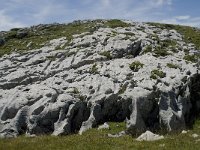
<point x="104" y="126"/>
<point x="120" y="134"/>
<point x="79" y="86"/>
<point x="149" y="136"/>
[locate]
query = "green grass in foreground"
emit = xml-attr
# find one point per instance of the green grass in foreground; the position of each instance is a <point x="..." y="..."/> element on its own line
<point x="94" y="140"/>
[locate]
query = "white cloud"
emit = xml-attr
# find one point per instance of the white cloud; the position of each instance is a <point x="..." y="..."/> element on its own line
<point x="186" y="17"/>
<point x="50" y="10"/>
<point x="7" y="22"/>
<point x="16" y="13"/>
<point x="162" y="2"/>
<point x="106" y="3"/>
<point x="183" y="20"/>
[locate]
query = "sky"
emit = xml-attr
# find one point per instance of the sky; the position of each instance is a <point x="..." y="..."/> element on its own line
<point x="24" y="13"/>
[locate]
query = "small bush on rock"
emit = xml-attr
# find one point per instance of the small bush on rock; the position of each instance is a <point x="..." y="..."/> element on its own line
<point x="147" y="49"/>
<point x="159" y="51"/>
<point x="116" y="23"/>
<point x="155" y="74"/>
<point x="170" y="65"/>
<point x="94" y="69"/>
<point x="135" y="66"/>
<point x="106" y="54"/>
<point x="122" y="89"/>
<point x="190" y="58"/>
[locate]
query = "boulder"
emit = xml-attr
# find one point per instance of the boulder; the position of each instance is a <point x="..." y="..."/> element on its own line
<point x="21" y="34"/>
<point x="149" y="136"/>
<point x="104" y="126"/>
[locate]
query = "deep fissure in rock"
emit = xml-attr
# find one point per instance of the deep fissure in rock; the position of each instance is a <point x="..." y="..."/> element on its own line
<point x="195" y="101"/>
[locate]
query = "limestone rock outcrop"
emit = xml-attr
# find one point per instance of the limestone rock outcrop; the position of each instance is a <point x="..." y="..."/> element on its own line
<point x="89" y="82"/>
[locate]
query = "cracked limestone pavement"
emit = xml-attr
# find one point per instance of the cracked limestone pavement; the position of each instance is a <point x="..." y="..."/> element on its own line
<point x="89" y="81"/>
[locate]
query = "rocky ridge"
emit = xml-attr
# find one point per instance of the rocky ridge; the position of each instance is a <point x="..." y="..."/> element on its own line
<point x="139" y="73"/>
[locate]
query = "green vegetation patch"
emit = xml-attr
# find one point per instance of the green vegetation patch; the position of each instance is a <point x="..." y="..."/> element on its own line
<point x="94" y="139"/>
<point x="114" y="23"/>
<point x="191" y="58"/>
<point x="190" y="34"/>
<point x="40" y="35"/>
<point x="94" y="69"/>
<point x="160" y="51"/>
<point x="168" y="43"/>
<point x="106" y="54"/>
<point x="122" y="89"/>
<point x="51" y="58"/>
<point x="155" y="74"/>
<point x="171" y="65"/>
<point x="135" y="66"/>
<point x="147" y="49"/>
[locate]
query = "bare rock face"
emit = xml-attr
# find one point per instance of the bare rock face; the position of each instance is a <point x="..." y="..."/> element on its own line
<point x="90" y="81"/>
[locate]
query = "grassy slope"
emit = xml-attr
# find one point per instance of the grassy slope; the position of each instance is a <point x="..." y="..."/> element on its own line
<point x="94" y="140"/>
<point x="191" y="34"/>
<point x="39" y="35"/>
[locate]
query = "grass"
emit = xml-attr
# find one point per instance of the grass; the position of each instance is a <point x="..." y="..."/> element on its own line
<point x="191" y="34"/>
<point x="155" y="74"/>
<point x="170" y="65"/>
<point x="122" y="89"/>
<point x="160" y="51"/>
<point x="162" y="48"/>
<point x="114" y="23"/>
<point x="97" y="139"/>
<point x="94" y="69"/>
<point x="39" y="36"/>
<point x="191" y="58"/>
<point x="43" y="35"/>
<point x="106" y="54"/>
<point x="136" y="66"/>
<point x="147" y="49"/>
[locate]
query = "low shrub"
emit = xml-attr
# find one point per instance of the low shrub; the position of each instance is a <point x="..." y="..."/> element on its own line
<point x="170" y="65"/>
<point x="106" y="54"/>
<point x="135" y="66"/>
<point x="155" y="74"/>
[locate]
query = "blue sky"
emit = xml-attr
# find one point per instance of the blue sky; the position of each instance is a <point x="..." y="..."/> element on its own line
<point x="22" y="13"/>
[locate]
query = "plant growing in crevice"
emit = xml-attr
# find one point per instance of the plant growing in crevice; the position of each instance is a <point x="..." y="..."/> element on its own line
<point x="147" y="49"/>
<point x="160" y="51"/>
<point x="106" y="54"/>
<point x="58" y="47"/>
<point x="122" y="89"/>
<point x="135" y="66"/>
<point x="191" y="58"/>
<point x="82" y="97"/>
<point x="51" y="58"/>
<point x="171" y="65"/>
<point x="94" y="69"/>
<point x="155" y="74"/>
<point x="75" y="90"/>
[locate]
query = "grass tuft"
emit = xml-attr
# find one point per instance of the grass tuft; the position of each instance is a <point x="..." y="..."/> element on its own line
<point x="155" y="74"/>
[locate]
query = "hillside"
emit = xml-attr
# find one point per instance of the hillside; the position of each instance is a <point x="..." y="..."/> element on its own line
<point x="60" y="79"/>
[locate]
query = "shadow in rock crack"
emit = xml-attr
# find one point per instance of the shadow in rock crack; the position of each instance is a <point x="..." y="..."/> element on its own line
<point x="195" y="101"/>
